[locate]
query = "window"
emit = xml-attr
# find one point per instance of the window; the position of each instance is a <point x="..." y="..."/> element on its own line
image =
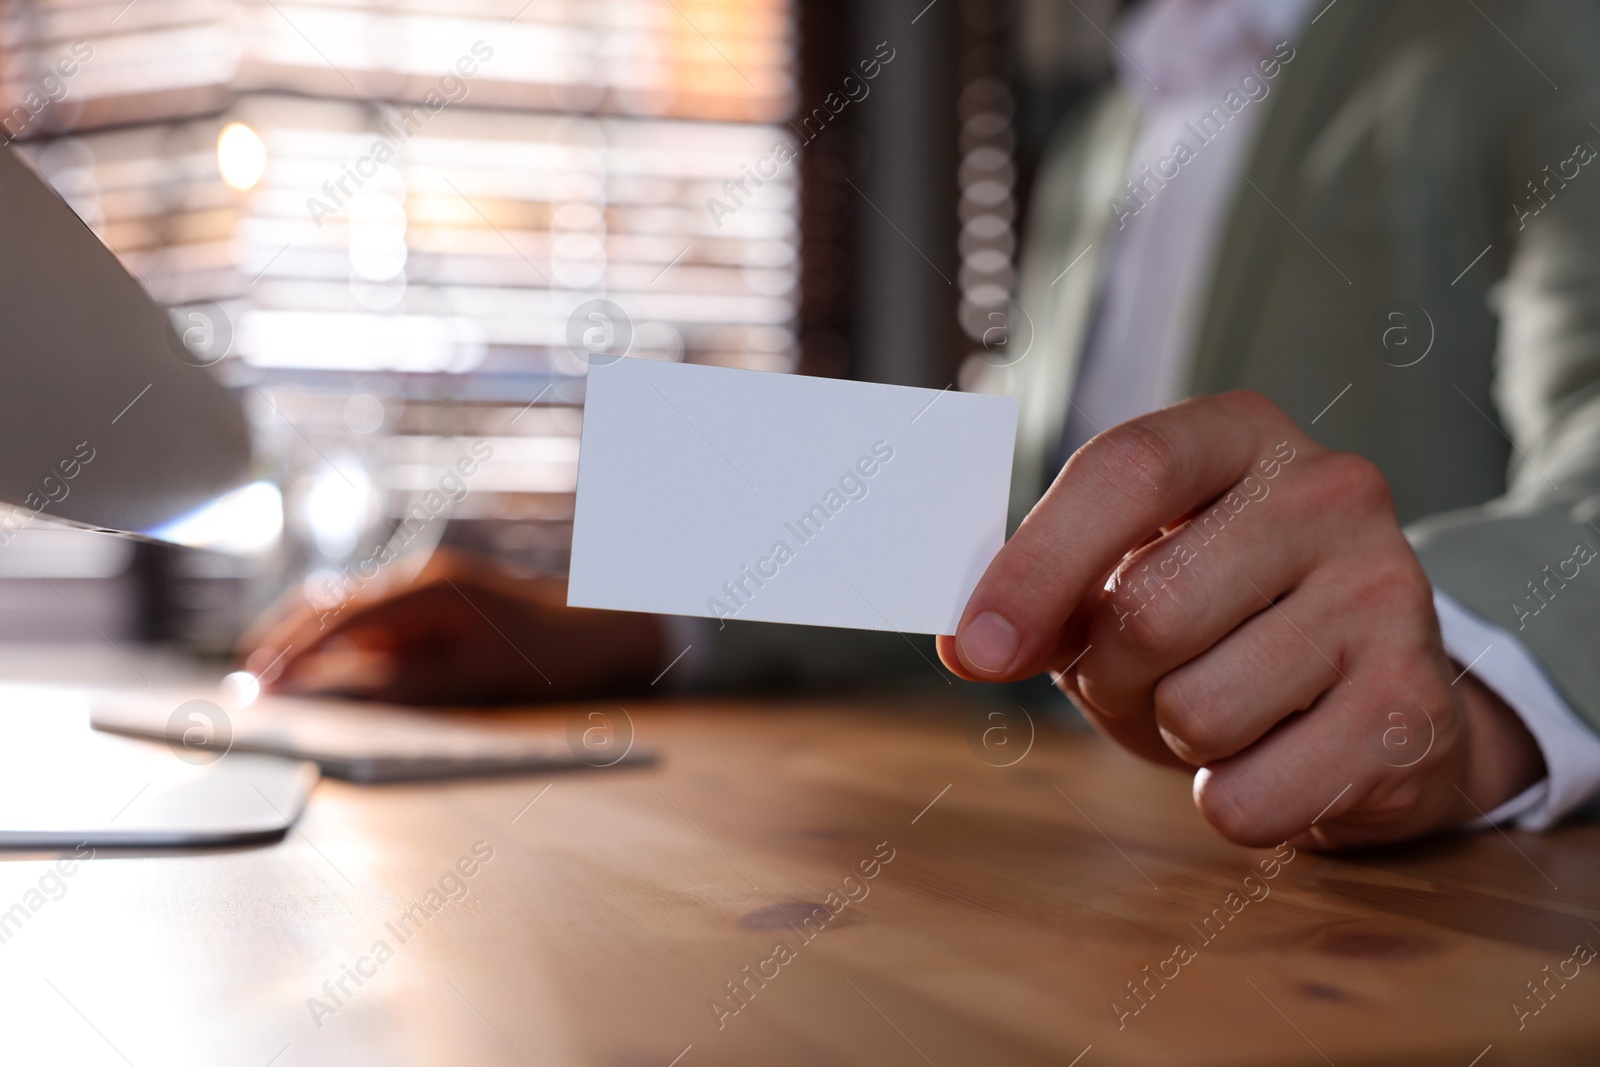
<point x="381" y="218"/>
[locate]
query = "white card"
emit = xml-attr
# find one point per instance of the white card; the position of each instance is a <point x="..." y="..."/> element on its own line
<point x="780" y="498"/>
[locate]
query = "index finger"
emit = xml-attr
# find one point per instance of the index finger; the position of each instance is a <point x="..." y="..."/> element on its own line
<point x="1115" y="492"/>
<point x="288" y="630"/>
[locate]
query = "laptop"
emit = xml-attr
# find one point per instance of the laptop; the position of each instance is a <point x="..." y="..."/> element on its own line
<point x="109" y="421"/>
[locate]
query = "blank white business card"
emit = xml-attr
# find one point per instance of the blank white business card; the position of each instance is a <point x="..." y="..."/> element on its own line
<point x="737" y="494"/>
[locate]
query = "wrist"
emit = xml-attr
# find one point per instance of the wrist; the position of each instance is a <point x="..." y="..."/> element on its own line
<point x="1503" y="759"/>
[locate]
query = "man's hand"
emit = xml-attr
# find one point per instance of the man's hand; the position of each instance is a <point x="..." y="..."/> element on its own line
<point x="1216" y="590"/>
<point x="463" y="631"/>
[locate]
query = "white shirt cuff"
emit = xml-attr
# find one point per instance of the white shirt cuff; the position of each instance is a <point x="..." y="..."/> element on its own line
<point x="1570" y="746"/>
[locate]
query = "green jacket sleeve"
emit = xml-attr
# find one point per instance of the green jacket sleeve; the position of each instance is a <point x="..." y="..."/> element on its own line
<point x="1529" y="561"/>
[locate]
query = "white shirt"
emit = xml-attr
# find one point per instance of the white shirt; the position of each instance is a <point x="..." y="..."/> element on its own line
<point x="1181" y="58"/>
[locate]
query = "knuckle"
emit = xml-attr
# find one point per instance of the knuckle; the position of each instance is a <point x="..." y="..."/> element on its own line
<point x="1192" y="720"/>
<point x="1152" y="456"/>
<point x="1149" y="627"/>
<point x="1418" y="682"/>
<point x="1394" y="588"/>
<point x="1249" y="405"/>
<point x="1355" y="483"/>
<point x="1395" y="803"/>
<point x="1412" y="594"/>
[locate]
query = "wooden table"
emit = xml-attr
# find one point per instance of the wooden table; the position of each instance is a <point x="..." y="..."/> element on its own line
<point x="1018" y="904"/>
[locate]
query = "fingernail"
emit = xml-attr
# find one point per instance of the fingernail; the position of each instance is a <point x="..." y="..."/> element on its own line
<point x="988" y="643"/>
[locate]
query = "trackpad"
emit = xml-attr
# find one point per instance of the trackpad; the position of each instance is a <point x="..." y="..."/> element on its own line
<point x="63" y="784"/>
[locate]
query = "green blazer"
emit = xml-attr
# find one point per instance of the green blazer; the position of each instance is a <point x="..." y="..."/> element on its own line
<point x="1391" y="174"/>
<point x="1401" y="168"/>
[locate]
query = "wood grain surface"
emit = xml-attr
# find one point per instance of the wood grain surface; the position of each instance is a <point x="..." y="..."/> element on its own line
<point x="1008" y="910"/>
